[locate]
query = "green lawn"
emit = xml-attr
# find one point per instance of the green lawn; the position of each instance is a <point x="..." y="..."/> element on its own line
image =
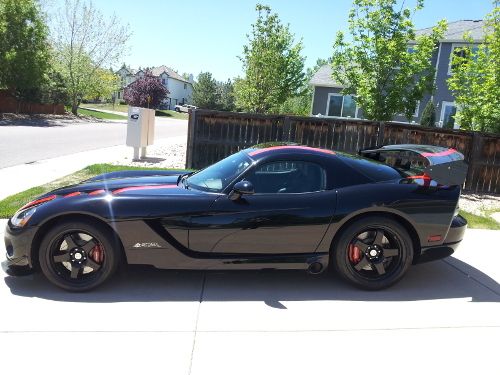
<point x="480" y="222"/>
<point x="171" y="114"/>
<point x="108" y="107"/>
<point x="124" y="108"/>
<point x="100" y="115"/>
<point x="11" y="204"/>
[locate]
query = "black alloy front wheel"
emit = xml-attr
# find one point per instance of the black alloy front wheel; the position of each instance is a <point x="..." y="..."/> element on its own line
<point x="79" y="255"/>
<point x="373" y="252"/>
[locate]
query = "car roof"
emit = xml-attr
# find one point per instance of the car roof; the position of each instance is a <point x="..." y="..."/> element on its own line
<point x="277" y="148"/>
<point x="373" y="170"/>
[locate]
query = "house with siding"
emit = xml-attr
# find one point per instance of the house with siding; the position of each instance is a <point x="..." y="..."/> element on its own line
<point x="180" y="89"/>
<point x="329" y="101"/>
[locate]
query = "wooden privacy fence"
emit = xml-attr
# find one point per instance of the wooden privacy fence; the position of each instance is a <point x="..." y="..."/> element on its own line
<point x="9" y="104"/>
<point x="213" y="135"/>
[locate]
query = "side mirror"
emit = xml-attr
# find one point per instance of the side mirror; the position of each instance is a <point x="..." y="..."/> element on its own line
<point x="241" y="188"/>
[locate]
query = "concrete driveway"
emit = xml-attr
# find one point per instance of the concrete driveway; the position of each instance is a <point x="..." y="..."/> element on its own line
<point x="444" y="317"/>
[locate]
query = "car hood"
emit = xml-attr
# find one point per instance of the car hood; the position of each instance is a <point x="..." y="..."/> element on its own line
<point x="121" y="197"/>
<point x="129" y="183"/>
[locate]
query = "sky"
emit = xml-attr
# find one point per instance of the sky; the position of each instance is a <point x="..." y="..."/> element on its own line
<point x="195" y="35"/>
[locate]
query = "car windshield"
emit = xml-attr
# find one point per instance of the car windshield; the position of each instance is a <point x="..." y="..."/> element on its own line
<point x="218" y="176"/>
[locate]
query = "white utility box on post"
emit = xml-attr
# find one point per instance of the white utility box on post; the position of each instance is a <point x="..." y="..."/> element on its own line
<point x="140" y="129"/>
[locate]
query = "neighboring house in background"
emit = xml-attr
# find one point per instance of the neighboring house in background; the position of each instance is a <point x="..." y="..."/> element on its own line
<point x="180" y="89"/>
<point x="328" y="100"/>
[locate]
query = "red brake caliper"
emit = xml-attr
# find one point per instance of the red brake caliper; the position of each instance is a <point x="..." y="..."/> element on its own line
<point x="97" y="254"/>
<point x="354" y="254"/>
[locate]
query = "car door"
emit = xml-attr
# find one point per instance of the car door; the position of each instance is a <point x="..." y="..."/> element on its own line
<point x="289" y="212"/>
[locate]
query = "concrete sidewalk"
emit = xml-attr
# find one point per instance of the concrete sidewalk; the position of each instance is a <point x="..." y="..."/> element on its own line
<point x="106" y="111"/>
<point x="443" y="317"/>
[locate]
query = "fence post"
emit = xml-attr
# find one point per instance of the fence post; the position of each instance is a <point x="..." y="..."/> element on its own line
<point x="190" y="138"/>
<point x="474" y="157"/>
<point x="286" y="129"/>
<point x="380" y="137"/>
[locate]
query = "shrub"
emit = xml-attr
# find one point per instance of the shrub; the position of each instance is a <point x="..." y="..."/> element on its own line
<point x="146" y="92"/>
<point x="429" y="115"/>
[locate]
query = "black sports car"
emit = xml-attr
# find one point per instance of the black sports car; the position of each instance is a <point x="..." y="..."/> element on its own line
<point x="369" y="217"/>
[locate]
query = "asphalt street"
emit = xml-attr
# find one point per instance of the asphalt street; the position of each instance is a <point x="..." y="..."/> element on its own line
<point x="27" y="144"/>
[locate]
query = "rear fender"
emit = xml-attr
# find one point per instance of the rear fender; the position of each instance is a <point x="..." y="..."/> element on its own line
<point x="428" y="211"/>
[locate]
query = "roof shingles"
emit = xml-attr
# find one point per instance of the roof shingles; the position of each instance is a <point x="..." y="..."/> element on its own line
<point x="158" y="70"/>
<point x="323" y="77"/>
<point x="457" y="29"/>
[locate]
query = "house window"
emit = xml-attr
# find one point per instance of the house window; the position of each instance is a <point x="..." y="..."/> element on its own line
<point x="341" y="106"/>
<point x="457" y="49"/>
<point x="163" y="81"/>
<point x="448" y="112"/>
<point x="185" y="86"/>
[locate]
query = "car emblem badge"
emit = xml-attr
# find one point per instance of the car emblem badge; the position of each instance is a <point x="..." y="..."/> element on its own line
<point x="147" y="244"/>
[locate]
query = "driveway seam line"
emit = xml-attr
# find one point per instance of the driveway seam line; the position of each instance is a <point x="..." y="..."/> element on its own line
<point x="471" y="277"/>
<point x="200" y="299"/>
<point x="268" y="331"/>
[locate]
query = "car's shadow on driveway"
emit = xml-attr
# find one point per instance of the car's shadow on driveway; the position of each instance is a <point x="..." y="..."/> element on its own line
<point x="438" y="280"/>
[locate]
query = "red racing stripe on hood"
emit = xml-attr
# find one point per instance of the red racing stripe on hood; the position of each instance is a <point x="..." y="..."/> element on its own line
<point x="145" y="187"/>
<point x="39" y="201"/>
<point x="96" y="192"/>
<point x="72" y="194"/>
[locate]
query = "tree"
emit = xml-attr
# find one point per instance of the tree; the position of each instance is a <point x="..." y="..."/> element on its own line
<point x="209" y="93"/>
<point x="24" y="50"/>
<point x="86" y="41"/>
<point x="272" y="63"/>
<point x="386" y="66"/>
<point x="205" y="91"/>
<point x="146" y="92"/>
<point x="475" y="80"/>
<point x="300" y="104"/>
<point x="428" y="115"/>
<point x="103" y="85"/>
<point x="225" y="96"/>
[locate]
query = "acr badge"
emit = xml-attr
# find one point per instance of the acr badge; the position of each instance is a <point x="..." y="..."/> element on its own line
<point x="146" y="244"/>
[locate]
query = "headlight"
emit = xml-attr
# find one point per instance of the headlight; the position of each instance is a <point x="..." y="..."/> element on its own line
<point x="21" y="217"/>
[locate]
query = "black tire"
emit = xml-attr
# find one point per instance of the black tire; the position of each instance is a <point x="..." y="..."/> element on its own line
<point x="373" y="252"/>
<point x="68" y="255"/>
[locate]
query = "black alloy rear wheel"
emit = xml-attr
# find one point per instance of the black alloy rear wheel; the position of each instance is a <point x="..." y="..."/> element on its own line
<point x="373" y="252"/>
<point x="79" y="255"/>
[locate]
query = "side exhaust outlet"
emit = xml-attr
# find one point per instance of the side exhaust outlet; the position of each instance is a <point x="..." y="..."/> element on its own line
<point x="315" y="268"/>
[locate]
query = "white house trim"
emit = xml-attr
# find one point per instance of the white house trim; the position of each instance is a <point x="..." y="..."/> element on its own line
<point x="444" y="104"/>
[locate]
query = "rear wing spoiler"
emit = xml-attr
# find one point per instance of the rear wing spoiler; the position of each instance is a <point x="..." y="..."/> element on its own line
<point x="444" y="165"/>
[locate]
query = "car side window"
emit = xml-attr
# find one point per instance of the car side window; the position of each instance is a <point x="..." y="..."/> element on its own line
<point x="291" y="176"/>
